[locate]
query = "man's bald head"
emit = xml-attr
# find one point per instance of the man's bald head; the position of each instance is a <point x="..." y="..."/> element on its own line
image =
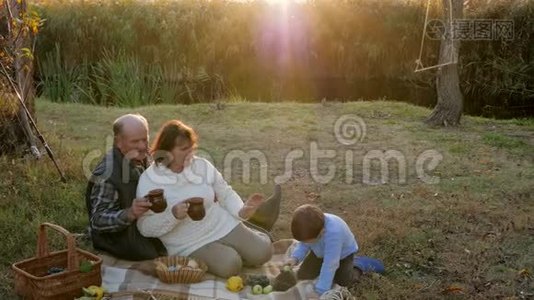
<point x="131" y="136"/>
<point x="126" y="122"/>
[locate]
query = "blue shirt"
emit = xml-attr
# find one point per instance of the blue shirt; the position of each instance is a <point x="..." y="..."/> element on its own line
<point x="335" y="243"/>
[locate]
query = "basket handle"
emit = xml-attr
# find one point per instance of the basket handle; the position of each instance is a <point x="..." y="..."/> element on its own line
<point x="42" y="244"/>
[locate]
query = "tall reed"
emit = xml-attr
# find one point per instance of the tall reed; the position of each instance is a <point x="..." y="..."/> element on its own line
<point x="189" y="51"/>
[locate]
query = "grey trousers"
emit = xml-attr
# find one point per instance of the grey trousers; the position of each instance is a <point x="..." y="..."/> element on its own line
<point x="241" y="247"/>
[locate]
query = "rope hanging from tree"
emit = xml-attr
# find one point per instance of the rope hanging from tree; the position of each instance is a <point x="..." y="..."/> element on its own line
<point x="419" y="67"/>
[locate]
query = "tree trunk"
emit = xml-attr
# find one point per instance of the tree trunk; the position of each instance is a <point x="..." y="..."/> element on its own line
<point x="12" y="137"/>
<point x="24" y="75"/>
<point x="15" y="129"/>
<point x="448" y="110"/>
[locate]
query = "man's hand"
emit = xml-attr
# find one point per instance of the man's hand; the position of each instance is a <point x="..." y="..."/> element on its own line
<point x="179" y="210"/>
<point x="138" y="208"/>
<point x="250" y="207"/>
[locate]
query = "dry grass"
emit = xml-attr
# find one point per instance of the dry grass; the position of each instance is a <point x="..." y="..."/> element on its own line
<point x="469" y="237"/>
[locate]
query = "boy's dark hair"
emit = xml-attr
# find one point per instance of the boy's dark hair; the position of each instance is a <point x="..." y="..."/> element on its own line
<point x="307" y="222"/>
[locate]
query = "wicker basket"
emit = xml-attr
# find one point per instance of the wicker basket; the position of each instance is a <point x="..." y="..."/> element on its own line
<point x="33" y="282"/>
<point x="184" y="274"/>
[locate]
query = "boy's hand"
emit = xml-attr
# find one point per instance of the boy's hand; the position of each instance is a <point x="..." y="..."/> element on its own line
<point x="312" y="294"/>
<point x="290" y="261"/>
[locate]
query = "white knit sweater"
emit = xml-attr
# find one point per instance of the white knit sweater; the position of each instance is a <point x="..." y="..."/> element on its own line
<point x="199" y="179"/>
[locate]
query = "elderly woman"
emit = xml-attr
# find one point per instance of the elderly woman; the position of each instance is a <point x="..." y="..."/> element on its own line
<point x="220" y="239"/>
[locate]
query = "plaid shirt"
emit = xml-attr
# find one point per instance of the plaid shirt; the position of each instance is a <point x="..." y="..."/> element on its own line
<point x="107" y="216"/>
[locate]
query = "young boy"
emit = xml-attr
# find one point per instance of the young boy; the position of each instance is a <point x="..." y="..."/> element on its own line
<point x="326" y="248"/>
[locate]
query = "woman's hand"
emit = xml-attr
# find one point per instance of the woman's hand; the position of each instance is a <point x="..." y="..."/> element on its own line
<point x="179" y="210"/>
<point x="250" y="207"/>
<point x="189" y="159"/>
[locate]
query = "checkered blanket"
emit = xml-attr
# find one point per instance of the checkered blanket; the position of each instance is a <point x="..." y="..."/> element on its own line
<point x="124" y="279"/>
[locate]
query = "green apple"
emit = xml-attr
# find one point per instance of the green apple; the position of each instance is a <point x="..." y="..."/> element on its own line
<point x="256" y="290"/>
<point x="268" y="289"/>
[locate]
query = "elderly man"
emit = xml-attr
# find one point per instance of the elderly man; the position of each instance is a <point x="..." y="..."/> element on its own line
<point x="110" y="195"/>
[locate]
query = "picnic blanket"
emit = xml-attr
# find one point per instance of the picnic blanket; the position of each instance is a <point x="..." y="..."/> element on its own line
<point x="126" y="281"/>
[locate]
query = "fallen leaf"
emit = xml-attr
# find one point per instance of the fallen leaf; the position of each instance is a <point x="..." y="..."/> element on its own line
<point x="453" y="290"/>
<point x="524" y="273"/>
<point x="418" y="286"/>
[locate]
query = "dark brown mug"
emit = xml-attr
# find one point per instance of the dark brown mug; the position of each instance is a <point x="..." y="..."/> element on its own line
<point x="196" y="209"/>
<point x="158" y="200"/>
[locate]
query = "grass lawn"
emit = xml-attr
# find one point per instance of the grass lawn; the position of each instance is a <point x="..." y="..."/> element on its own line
<point x="471" y="235"/>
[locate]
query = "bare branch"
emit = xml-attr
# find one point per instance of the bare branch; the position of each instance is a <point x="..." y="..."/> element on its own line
<point x="10" y="17"/>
